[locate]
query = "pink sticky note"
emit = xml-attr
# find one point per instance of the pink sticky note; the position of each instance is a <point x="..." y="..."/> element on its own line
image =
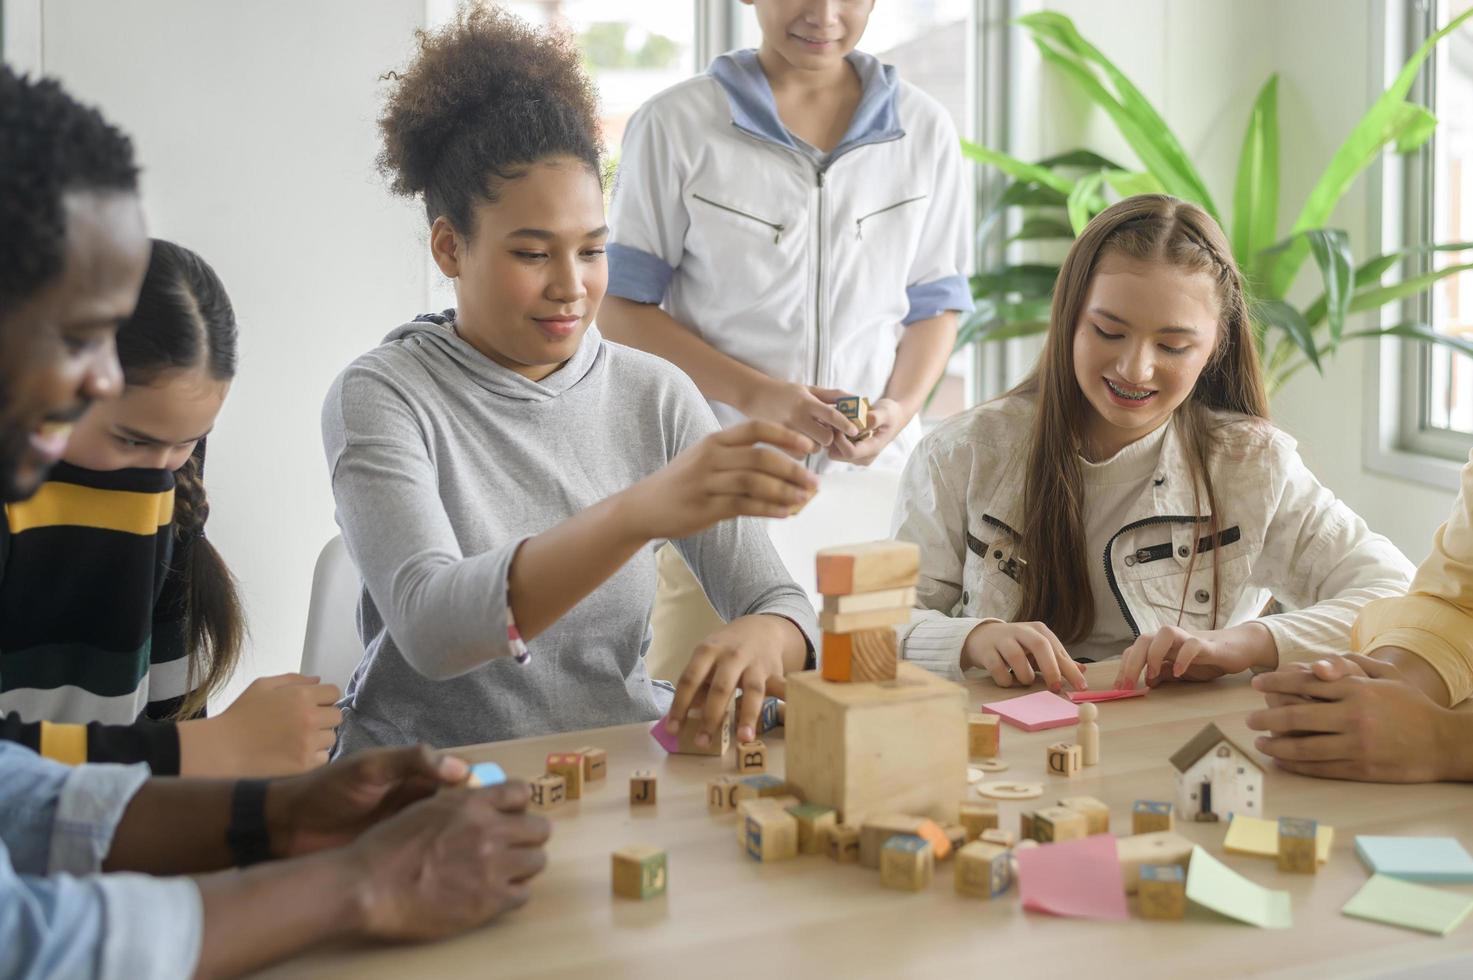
<point x="668" y="741"/>
<point x="1077" y="878"/>
<point x="1079" y="697"/>
<point x="1035" y="712"/>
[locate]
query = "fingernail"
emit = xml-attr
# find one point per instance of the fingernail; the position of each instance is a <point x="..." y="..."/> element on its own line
<point x="746" y="734"/>
<point x="453" y="768"/>
<point x="703" y="740"/>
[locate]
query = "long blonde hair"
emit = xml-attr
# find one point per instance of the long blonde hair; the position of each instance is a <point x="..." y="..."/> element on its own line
<point x="1154" y="228"/>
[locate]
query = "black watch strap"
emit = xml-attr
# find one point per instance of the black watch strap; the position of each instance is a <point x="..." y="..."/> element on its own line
<point x="249" y="840"/>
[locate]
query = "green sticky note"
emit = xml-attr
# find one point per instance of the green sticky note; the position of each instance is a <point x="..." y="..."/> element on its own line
<point x="1214" y="885"/>
<point x="1402" y="903"/>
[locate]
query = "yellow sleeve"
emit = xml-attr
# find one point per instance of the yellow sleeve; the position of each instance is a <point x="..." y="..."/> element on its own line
<point x="66" y="744"/>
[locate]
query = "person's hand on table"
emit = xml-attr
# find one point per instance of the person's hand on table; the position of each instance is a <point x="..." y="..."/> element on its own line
<point x="1177" y="653"/>
<point x="1020" y="653"/>
<point x="745" y="654"/>
<point x="1353" y="718"/>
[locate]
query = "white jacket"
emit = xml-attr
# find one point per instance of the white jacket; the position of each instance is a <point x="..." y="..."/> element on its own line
<point x="805" y="270"/>
<point x="1283" y="535"/>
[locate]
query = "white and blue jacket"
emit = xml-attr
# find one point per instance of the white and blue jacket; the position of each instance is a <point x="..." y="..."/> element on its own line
<point x="803" y="267"/>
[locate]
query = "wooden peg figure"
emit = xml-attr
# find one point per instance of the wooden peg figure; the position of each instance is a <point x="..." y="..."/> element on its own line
<point x="1089" y="733"/>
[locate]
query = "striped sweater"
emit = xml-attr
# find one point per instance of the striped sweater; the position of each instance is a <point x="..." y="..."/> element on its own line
<point x="92" y="619"/>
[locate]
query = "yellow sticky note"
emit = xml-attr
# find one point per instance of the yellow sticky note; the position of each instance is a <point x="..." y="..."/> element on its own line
<point x="1260" y="838"/>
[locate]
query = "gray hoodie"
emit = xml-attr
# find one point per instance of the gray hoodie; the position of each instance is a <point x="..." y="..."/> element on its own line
<point x="442" y="463"/>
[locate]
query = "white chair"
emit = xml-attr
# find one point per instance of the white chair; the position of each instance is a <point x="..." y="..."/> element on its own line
<point x="332" y="648"/>
<point x="850" y="508"/>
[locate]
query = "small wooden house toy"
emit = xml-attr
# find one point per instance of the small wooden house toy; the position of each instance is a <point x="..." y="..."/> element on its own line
<point x="1216" y="779"/>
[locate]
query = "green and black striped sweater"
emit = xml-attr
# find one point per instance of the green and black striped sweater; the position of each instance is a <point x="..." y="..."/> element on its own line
<point x="92" y="619"/>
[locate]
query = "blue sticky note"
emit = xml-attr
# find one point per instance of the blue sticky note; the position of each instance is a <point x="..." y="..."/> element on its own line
<point x="1440" y="859"/>
<point x="487" y="774"/>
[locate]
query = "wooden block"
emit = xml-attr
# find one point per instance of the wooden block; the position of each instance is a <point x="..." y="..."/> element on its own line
<point x="1064" y="758"/>
<point x="855" y="408"/>
<point x="1056" y="823"/>
<point x="930" y="830"/>
<point x="548" y="791"/>
<point x="1151" y="816"/>
<point x="869" y="601"/>
<point x="875" y="659"/>
<point x="1161" y="847"/>
<point x="771" y="715"/>
<point x="956" y="836"/>
<point x="721" y="794"/>
<point x="486" y="774"/>
<point x="691" y="727"/>
<point x="977" y="817"/>
<point x="761" y="804"/>
<point x="1297" y="845"/>
<point x="868" y="567"/>
<point x="837" y="662"/>
<point x="879" y="828"/>
<point x="763" y="784"/>
<point x="772" y="835"/>
<point x="1000" y="837"/>
<point x="907" y="862"/>
<point x="1096" y="813"/>
<point x="895" y="747"/>
<point x="843" y="843"/>
<point x="642" y="787"/>
<point x="871" y="620"/>
<point x="982" y="869"/>
<point x="814" y="824"/>
<point x="751" y="757"/>
<point x="595" y="762"/>
<point x="982" y="735"/>
<point x="568" y="765"/>
<point x="1028" y="825"/>
<point x="1163" y="891"/>
<point x="640" y="872"/>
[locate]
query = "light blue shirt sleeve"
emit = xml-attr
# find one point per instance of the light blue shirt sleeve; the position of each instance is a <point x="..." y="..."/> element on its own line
<point x="56" y="823"/>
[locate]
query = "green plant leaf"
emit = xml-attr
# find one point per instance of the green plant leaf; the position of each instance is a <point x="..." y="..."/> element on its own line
<point x="1030" y="195"/>
<point x="1378" y="296"/>
<point x="1084" y="200"/>
<point x="1256" y="193"/>
<point x="1372" y="269"/>
<point x="1385" y="122"/>
<point x="1419" y="332"/>
<point x="1061" y="44"/>
<point x="1039" y="227"/>
<point x="1277" y="313"/>
<point x="1128" y="184"/>
<point x="1331" y="249"/>
<point x="1013" y="329"/>
<point x="1017" y="169"/>
<point x="1413" y="126"/>
<point x="1083" y="159"/>
<point x="1027" y="280"/>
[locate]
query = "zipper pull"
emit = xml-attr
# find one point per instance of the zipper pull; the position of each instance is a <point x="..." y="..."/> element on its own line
<point x="777" y="235"/>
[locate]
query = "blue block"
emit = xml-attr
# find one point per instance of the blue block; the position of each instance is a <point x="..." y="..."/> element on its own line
<point x="488" y="774"/>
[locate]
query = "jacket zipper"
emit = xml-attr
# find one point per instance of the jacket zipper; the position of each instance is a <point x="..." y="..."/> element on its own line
<point x="1135" y="630"/>
<point x="821" y="347"/>
<point x="777" y="228"/>
<point x="859" y="222"/>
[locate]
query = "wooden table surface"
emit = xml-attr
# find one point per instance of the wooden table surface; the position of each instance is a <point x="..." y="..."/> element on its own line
<point x="727" y="915"/>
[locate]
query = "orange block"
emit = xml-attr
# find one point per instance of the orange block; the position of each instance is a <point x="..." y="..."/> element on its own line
<point x="868" y="655"/>
<point x="837" y="663"/>
<point x="941" y="844"/>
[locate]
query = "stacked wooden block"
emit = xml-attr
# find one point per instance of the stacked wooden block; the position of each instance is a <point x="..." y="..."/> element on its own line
<point x="868" y="589"/>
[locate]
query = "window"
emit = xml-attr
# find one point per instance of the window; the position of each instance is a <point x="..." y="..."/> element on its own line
<point x="1436" y="405"/>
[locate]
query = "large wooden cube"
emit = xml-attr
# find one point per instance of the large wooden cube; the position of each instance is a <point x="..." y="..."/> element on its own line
<point x="896" y="746"/>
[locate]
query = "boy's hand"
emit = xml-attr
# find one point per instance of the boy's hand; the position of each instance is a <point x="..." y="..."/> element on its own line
<point x="809" y="411"/>
<point x="886" y="418"/>
<point x="727" y="474"/>
<point x="746" y="653"/>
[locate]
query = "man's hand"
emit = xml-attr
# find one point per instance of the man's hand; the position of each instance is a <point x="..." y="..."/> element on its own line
<point x="331" y="806"/>
<point x="886" y="418"/>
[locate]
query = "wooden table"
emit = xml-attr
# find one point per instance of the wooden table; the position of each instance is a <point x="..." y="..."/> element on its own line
<point x="726" y="915"/>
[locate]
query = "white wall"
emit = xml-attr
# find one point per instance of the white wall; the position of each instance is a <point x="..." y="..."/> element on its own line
<point x="255" y="124"/>
<point x="1202" y="62"/>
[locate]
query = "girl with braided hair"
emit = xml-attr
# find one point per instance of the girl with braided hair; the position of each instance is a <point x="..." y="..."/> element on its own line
<point x="118" y="618"/>
<point x="1130" y="497"/>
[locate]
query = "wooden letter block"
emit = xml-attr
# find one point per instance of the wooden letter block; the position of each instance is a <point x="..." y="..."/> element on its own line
<point x="1064" y="758"/>
<point x="766" y="804"/>
<point x="721" y="794"/>
<point x="843" y="843"/>
<point x="1096" y="814"/>
<point x="1056" y="823"/>
<point x="1161" y="847"/>
<point x="855" y="408"/>
<point x="865" y="655"/>
<point x="1151" y="816"/>
<point x="814" y="825"/>
<point x="1028" y="825"/>
<point x="868" y="567"/>
<point x="1163" y="891"/>
<point x="751" y="757"/>
<point x="640" y="872"/>
<point x="548" y="791"/>
<point x="907" y="862"/>
<point x="982" y="735"/>
<point x="1000" y="837"/>
<point x="1297" y="845"/>
<point x="983" y="870"/>
<point x="879" y="828"/>
<point x="642" y="787"/>
<point x="568" y="765"/>
<point x="595" y="762"/>
<point x="772" y="835"/>
<point x="895" y="747"/>
<point x="691" y="727"/>
<point x="977" y="817"/>
<point x="759" y="786"/>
